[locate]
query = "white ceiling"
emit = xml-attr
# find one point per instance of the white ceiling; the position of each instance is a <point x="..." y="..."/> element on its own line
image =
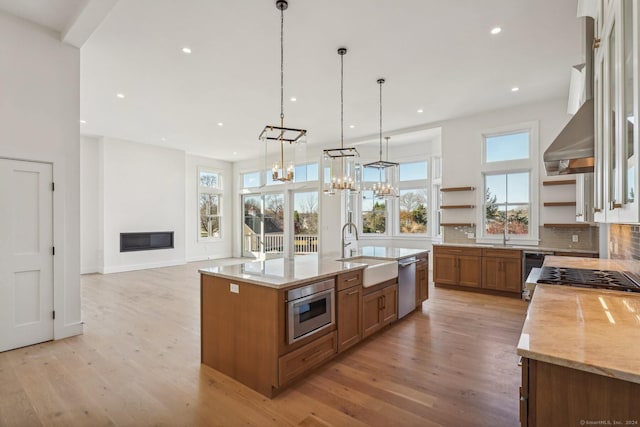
<point x="436" y="55"/>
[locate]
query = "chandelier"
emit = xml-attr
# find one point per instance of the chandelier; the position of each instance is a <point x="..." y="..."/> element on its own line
<point x="281" y="134"/>
<point x="340" y="163"/>
<point x="387" y="185"/>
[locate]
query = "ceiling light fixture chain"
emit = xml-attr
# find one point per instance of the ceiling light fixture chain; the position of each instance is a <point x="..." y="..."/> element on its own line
<point x="282" y="6"/>
<point x="380" y="82"/>
<point x="342" y="51"/>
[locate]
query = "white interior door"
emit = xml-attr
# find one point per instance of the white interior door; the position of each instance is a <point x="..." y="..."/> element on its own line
<point x="26" y="260"/>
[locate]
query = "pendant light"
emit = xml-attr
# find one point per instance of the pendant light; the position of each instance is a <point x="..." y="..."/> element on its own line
<point x="339" y="164"/>
<point x="387" y="185"/>
<point x="280" y="134"/>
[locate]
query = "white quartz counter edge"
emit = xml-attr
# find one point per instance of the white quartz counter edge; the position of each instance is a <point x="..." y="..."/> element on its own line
<point x="363" y="252"/>
<point x="279" y="283"/>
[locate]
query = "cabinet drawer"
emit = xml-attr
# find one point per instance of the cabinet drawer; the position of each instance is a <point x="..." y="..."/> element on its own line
<point x="306" y="358"/>
<point x="350" y="279"/>
<point x="502" y="253"/>
<point x="457" y="250"/>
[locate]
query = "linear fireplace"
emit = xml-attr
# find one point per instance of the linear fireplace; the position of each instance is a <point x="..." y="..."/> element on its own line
<point x="146" y="241"/>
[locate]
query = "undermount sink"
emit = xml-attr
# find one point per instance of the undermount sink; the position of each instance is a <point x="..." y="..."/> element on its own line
<point x="377" y="270"/>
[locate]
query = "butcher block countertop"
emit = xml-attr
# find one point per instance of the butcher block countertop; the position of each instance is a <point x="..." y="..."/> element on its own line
<point x="590" y="330"/>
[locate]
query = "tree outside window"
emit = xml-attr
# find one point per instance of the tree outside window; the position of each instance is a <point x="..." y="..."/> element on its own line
<point x="413" y="211"/>
<point x="507" y="204"/>
<point x="374" y="213"/>
<point x="209" y="204"/>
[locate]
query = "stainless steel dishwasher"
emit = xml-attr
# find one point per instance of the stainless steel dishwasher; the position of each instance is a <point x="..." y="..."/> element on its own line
<point x="406" y="286"/>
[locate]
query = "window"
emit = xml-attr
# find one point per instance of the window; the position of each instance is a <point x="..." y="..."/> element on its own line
<point x="507" y="204"/>
<point x="306" y="172"/>
<point x="374" y="214"/>
<point x="413" y="211"/>
<point x="512" y="146"/>
<point x="509" y="195"/>
<point x="413" y="171"/>
<point x="305" y="222"/>
<point x="209" y="204"/>
<point x="251" y="180"/>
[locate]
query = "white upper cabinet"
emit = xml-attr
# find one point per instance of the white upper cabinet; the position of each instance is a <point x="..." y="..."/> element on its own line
<point x="616" y="113"/>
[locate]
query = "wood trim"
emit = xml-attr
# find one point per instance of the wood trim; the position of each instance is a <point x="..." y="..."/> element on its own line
<point x="570" y="225"/>
<point x="447" y="189"/>
<point x="553" y="204"/>
<point x="457" y="224"/>
<point x="478" y="290"/>
<point x="559" y="182"/>
<point x="457" y="206"/>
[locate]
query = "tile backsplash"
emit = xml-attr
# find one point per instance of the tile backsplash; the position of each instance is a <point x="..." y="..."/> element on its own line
<point x="624" y="241"/>
<point x="557" y="238"/>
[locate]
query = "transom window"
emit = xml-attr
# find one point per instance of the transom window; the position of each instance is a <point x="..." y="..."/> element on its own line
<point x="510" y="146"/>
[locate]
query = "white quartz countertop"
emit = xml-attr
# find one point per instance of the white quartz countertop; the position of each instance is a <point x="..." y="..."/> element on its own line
<point x="384" y="252"/>
<point x="519" y="247"/>
<point x="591" y="330"/>
<point x="281" y="273"/>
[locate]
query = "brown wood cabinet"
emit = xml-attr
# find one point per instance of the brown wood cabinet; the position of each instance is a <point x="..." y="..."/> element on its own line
<point x="302" y="360"/>
<point x="457" y="266"/>
<point x="502" y="270"/>
<point x="379" y="308"/>
<point x="553" y="395"/>
<point x="422" y="279"/>
<point x="349" y="316"/>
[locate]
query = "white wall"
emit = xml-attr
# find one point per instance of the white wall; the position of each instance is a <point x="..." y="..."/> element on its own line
<point x="143" y="189"/>
<point x="90" y="203"/>
<point x="39" y="121"/>
<point x="220" y="248"/>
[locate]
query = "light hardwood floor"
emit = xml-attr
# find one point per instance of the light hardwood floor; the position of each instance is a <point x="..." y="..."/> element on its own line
<point x="138" y="364"/>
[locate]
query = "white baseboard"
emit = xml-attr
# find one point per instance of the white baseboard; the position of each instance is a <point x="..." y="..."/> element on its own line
<point x="207" y="257"/>
<point x="145" y="266"/>
<point x="90" y="270"/>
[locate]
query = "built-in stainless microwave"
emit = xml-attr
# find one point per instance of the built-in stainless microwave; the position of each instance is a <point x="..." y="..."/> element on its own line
<point x="310" y="309"/>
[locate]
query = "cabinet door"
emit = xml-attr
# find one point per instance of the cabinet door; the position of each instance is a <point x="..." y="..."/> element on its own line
<point x="600" y="177"/>
<point x="349" y="317"/>
<point x="389" y="311"/>
<point x="371" y="306"/>
<point x="445" y="269"/>
<point x="491" y="273"/>
<point x="511" y="275"/>
<point x="470" y="271"/>
<point x="422" y="283"/>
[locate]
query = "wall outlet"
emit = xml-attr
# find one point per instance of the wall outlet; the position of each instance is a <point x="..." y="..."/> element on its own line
<point x="234" y="288"/>
<point x="574" y="238"/>
<point x="471" y="235"/>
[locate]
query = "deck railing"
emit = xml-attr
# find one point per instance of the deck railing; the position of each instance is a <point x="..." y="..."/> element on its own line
<point x="274" y="243"/>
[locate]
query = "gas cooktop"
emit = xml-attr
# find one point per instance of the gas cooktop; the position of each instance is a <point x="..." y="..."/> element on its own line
<point x="584" y="278"/>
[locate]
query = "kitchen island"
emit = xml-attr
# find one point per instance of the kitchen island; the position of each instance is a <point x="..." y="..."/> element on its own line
<point x="249" y="333"/>
<point x="580" y="353"/>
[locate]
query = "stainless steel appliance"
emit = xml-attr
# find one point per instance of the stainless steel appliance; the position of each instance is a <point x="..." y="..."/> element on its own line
<point x="532" y="259"/>
<point x="406" y="286"/>
<point x="585" y="278"/>
<point x="310" y="309"/>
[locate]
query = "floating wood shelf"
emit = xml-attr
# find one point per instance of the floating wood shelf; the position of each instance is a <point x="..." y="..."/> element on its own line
<point x="560" y="182"/>
<point x="571" y="225"/>
<point x="551" y="204"/>
<point x="457" y="206"/>
<point x="457" y="224"/>
<point x="447" y="189"/>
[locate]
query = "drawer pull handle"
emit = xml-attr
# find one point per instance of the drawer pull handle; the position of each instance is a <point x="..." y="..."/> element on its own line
<point x="353" y="292"/>
<point x="352" y="279"/>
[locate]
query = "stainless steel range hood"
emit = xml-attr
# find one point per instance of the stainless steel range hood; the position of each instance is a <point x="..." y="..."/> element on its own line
<point x="573" y="149"/>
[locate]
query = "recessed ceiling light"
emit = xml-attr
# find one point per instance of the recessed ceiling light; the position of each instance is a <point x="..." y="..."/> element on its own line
<point x="235" y="152"/>
<point x="186" y="50"/>
<point x="163" y="139"/>
<point x="220" y="124"/>
<point x="352" y="126"/>
<point x="420" y="110"/>
<point x="83" y="121"/>
<point x="293" y="99"/>
<point x="120" y="95"/>
<point x="496" y="30"/>
<point x="515" y="89"/>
